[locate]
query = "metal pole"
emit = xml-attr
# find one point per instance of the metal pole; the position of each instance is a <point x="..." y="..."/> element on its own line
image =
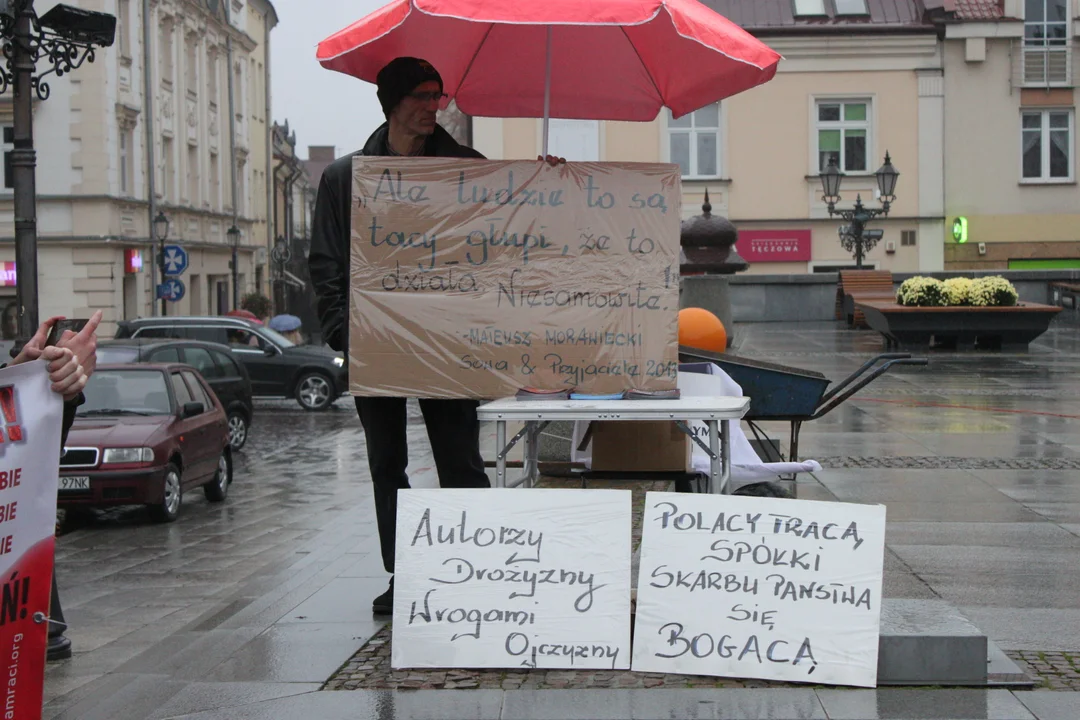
<point x="24" y="161"/>
<point x="148" y="116"/>
<point x="232" y="168"/>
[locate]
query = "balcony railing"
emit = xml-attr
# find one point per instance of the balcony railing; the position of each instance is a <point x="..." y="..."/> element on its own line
<point x="1044" y="66"/>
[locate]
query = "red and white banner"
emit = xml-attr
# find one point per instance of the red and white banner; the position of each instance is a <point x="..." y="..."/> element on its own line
<point x="31" y="415"/>
<point x="757" y="246"/>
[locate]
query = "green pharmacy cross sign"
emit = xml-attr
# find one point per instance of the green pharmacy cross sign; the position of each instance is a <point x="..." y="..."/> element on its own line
<point x="960" y="230"/>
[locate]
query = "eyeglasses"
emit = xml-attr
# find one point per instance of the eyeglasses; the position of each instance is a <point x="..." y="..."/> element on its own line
<point x="428" y="96"/>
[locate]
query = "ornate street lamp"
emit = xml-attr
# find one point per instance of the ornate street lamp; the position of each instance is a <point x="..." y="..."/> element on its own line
<point x="855" y="237"/>
<point x="65" y="38"/>
<point x="234" y="241"/>
<point x="161" y="231"/>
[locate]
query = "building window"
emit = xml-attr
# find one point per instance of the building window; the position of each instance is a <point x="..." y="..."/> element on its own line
<point x="167" y="53"/>
<point x="694" y="142"/>
<point x="215" y="181"/>
<point x="843" y="134"/>
<point x="193" y="175"/>
<point x="1046" y="51"/>
<point x="192" y="65"/>
<point x="851" y="7"/>
<point x="125" y="161"/>
<point x="1046" y="22"/>
<point x="123" y="14"/>
<point x="809" y="7"/>
<point x="240" y="204"/>
<point x="907" y="238"/>
<point x="168" y="179"/>
<point x="212" y="79"/>
<point x="238" y="91"/>
<point x="9" y="147"/>
<point x="1046" y="146"/>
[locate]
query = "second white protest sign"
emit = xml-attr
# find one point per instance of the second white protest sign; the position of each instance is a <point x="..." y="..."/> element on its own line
<point x="501" y="579"/>
<point x="751" y="587"/>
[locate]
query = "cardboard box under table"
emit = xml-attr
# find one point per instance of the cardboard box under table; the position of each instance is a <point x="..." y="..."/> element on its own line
<point x="645" y="446"/>
<point x="716" y="413"/>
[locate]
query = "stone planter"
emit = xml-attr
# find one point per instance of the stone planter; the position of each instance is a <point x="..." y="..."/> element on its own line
<point x="958" y="327"/>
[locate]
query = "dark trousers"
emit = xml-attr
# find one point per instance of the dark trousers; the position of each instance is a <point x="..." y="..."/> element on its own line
<point x="454" y="432"/>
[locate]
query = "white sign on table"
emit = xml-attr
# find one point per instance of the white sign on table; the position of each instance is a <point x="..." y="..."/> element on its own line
<point x="750" y="587"/>
<point x="496" y="579"/>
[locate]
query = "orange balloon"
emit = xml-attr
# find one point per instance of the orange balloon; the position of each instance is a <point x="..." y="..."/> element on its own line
<point x="699" y="328"/>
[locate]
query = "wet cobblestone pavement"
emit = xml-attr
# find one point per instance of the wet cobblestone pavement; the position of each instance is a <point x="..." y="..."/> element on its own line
<point x="247" y="609"/>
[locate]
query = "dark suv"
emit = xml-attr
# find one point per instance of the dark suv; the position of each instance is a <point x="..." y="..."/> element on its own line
<point x="219" y="367"/>
<point x="315" y="376"/>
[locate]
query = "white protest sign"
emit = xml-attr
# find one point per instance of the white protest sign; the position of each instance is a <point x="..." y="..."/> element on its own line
<point x="535" y="578"/>
<point x="760" y="588"/>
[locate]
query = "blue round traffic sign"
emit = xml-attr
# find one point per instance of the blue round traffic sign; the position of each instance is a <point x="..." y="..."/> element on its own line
<point x="172" y="289"/>
<point x="175" y="260"/>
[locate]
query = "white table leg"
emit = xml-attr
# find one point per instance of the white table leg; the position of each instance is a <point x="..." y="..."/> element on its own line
<point x="500" y="457"/>
<point x="725" y="454"/>
<point x="532" y="455"/>
<point x="716" y="461"/>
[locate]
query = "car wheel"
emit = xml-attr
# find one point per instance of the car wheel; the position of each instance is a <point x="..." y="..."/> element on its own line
<point x="169" y="508"/>
<point x="217" y="489"/>
<point x="238" y="430"/>
<point x="314" y="391"/>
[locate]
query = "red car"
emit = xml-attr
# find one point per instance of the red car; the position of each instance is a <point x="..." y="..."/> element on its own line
<point x="146" y="435"/>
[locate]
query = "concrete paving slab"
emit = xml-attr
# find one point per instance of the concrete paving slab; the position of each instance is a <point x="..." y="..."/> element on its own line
<point x="1050" y="705"/>
<point x="342" y="600"/>
<point x="980" y="561"/>
<point x="959" y="534"/>
<point x="1017" y="591"/>
<point x="299" y="652"/>
<point x="1028" y="628"/>
<point x="904" y="704"/>
<point x="219" y="696"/>
<point x="384" y="705"/>
<point x="724" y="704"/>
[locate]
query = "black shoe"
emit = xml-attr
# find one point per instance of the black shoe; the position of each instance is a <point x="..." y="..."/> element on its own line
<point x="59" y="648"/>
<point x="384" y="604"/>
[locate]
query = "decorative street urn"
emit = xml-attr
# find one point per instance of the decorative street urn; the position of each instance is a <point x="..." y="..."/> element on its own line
<point x="708" y="245"/>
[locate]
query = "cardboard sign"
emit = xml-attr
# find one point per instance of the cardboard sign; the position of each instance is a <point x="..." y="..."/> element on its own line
<point x="761" y="246"/>
<point x="30" y="423"/>
<point x="509" y="579"/>
<point x="476" y="278"/>
<point x="760" y="588"/>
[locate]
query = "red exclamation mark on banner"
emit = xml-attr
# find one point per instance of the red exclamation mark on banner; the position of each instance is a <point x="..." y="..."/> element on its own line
<point x="7" y="407"/>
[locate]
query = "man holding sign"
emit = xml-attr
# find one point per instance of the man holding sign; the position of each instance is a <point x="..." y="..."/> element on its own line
<point x="409" y="90"/>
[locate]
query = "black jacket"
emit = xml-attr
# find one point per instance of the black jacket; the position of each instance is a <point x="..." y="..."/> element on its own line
<point x="328" y="260"/>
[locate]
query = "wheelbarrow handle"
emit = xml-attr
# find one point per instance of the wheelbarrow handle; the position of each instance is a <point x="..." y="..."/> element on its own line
<point x="827" y="404"/>
<point x="865" y="366"/>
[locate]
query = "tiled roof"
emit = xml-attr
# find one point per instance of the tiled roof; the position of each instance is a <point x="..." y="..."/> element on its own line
<point x="976" y="9"/>
<point x="759" y="15"/>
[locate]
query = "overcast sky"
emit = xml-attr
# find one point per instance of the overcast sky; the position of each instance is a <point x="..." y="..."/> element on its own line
<point x="322" y="106"/>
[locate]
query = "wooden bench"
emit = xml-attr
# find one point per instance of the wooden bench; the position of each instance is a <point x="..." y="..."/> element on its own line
<point x="857" y="285"/>
<point x="1067" y="295"/>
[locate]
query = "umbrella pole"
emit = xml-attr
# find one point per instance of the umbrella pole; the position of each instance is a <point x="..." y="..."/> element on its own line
<point x="547" y="90"/>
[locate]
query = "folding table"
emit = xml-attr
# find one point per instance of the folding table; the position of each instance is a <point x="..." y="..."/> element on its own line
<point x="716" y="412"/>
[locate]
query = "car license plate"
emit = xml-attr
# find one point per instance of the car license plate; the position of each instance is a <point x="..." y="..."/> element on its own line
<point x="75" y="483"/>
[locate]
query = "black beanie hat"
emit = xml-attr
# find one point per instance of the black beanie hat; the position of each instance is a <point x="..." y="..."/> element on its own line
<point x="400" y="77"/>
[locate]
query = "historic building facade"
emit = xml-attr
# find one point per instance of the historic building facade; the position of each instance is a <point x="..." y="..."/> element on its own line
<point x="208" y="67"/>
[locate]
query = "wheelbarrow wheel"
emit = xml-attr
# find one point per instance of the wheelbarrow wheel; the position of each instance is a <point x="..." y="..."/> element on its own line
<point x="763" y="489"/>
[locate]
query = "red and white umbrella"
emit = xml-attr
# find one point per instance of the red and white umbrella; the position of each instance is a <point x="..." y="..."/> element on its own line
<point x="582" y="59"/>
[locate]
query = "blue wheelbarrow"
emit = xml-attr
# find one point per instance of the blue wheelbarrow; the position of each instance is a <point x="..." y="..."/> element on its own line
<point x="782" y="393"/>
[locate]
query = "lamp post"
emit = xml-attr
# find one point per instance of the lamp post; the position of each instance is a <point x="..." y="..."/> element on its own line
<point x="855" y="237"/>
<point x="65" y="37"/>
<point x="161" y="231"/>
<point x="234" y="241"/>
